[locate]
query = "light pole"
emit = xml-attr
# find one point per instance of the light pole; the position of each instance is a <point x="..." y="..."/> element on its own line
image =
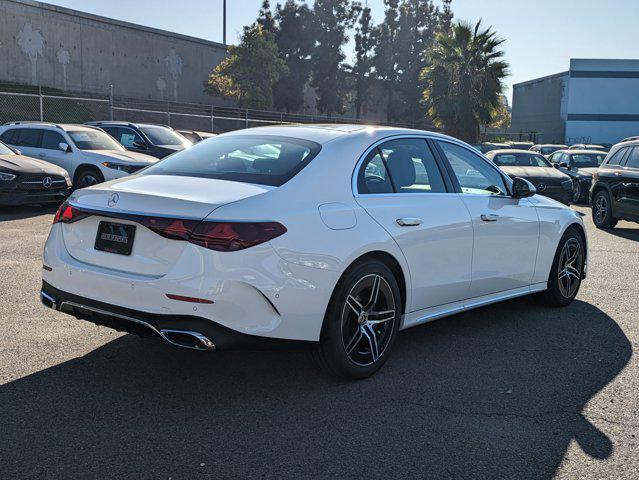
<point x="224" y="22"/>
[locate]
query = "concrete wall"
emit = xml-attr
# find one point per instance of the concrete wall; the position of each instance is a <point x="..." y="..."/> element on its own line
<point x="539" y="106"/>
<point x="603" y="105"/>
<point x="42" y="44"/>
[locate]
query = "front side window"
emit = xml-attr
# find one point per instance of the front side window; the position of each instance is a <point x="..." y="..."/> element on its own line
<point x="51" y="140"/>
<point x="93" y="140"/>
<point x="475" y="175"/>
<point x="587" y="160"/>
<point x="129" y="138"/>
<point x="260" y="159"/>
<point x="520" y="160"/>
<point x="159" y="135"/>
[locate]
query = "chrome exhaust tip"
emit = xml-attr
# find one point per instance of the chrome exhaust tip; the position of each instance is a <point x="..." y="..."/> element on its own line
<point x="187" y="339"/>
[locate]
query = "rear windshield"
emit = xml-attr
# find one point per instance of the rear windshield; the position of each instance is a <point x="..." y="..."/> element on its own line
<point x="585" y="160"/>
<point x="549" y="150"/>
<point x="520" y="160"/>
<point x="94" y="140"/>
<point x="164" y="136"/>
<point x="264" y="160"/>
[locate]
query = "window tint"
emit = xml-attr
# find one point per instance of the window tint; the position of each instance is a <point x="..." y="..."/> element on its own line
<point x="7" y="137"/>
<point x="261" y="159"/>
<point x="633" y="158"/>
<point x="475" y="175"/>
<point x="27" y="137"/>
<point x="128" y="137"/>
<point x="587" y="160"/>
<point x="373" y="176"/>
<point x="93" y="140"/>
<point x="520" y="160"/>
<point x="51" y="140"/>
<point x="617" y="158"/>
<point x="164" y="136"/>
<point x="412" y="166"/>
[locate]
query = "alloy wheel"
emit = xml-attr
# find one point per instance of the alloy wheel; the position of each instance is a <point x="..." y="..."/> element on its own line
<point x="368" y="319"/>
<point x="570" y="266"/>
<point x="576" y="192"/>
<point x="600" y="209"/>
<point x="88" y="180"/>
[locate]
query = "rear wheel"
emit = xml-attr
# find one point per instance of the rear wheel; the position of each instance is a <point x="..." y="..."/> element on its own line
<point x="88" y="177"/>
<point x="566" y="272"/>
<point x="602" y="210"/>
<point x="361" y="322"/>
<point x="576" y="192"/>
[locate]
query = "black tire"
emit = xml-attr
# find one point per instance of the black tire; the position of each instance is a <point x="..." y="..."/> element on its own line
<point x="602" y="210"/>
<point x="87" y="177"/>
<point x="563" y="289"/>
<point x="577" y="194"/>
<point x="350" y="346"/>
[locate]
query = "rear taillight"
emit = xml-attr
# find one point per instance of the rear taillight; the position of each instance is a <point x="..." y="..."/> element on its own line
<point x="68" y="214"/>
<point x="219" y="236"/>
<point x="233" y="236"/>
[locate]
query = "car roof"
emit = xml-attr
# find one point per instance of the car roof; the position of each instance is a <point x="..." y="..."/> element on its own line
<point x="61" y="126"/>
<point x="583" y="151"/>
<point x="511" y="150"/>
<point x="324" y="133"/>
<point x="124" y="123"/>
<point x="551" y="145"/>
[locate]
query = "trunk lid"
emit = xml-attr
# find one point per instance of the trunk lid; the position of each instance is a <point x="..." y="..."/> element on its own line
<point x="124" y="201"/>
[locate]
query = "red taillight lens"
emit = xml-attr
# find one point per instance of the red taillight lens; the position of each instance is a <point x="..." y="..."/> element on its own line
<point x="68" y="214"/>
<point x="172" y="228"/>
<point x="233" y="236"/>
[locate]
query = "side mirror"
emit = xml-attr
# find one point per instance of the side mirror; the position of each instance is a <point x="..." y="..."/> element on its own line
<point x="522" y="188"/>
<point x="65" y="147"/>
<point x="564" y="165"/>
<point x="140" y="145"/>
<point x="16" y="151"/>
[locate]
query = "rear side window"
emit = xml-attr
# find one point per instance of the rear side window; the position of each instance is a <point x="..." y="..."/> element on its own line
<point x="51" y="140"/>
<point x="27" y="137"/>
<point x="412" y="166"/>
<point x="618" y="157"/>
<point x="373" y="176"/>
<point x="260" y="159"/>
<point x="633" y="158"/>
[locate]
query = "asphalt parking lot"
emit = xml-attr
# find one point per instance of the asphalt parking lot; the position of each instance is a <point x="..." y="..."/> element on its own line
<point x="508" y="391"/>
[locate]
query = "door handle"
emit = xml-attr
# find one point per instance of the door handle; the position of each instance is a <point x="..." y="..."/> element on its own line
<point x="409" y="222"/>
<point x="489" y="217"/>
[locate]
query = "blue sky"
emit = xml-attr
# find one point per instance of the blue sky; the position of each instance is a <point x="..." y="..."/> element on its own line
<point x="541" y="35"/>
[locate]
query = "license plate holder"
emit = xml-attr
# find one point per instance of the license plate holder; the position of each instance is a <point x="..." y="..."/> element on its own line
<point x="115" y="238"/>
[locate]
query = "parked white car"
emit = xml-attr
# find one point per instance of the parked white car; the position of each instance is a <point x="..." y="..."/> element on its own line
<point x="89" y="154"/>
<point x="337" y="236"/>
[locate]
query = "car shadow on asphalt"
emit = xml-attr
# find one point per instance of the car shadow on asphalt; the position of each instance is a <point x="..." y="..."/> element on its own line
<point x="25" y="211"/>
<point x="627" y="233"/>
<point x="494" y="393"/>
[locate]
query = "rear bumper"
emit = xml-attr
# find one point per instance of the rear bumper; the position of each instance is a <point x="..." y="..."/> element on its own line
<point x="147" y="324"/>
<point x="17" y="197"/>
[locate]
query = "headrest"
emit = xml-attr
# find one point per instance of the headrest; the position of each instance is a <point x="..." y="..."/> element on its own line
<point x="402" y="168"/>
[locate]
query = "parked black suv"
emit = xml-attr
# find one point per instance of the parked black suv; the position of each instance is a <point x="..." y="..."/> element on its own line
<point x="615" y="186"/>
<point x="156" y="140"/>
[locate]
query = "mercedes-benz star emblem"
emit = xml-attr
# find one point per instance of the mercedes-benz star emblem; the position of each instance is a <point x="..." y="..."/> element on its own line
<point x="47" y="182"/>
<point x="113" y="200"/>
<point x="541" y="187"/>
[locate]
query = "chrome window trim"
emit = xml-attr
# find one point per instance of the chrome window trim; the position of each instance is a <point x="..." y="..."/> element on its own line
<point x="361" y="159"/>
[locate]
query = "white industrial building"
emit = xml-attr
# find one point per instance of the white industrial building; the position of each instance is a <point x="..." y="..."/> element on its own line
<point x="596" y="101"/>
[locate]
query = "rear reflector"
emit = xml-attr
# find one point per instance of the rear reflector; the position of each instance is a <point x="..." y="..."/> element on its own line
<point x="180" y="298"/>
<point x="47" y="268"/>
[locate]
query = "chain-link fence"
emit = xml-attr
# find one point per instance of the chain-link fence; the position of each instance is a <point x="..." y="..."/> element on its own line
<point x="25" y="103"/>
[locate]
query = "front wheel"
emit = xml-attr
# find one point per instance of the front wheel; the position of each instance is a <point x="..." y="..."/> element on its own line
<point x="602" y="210"/>
<point x="87" y="178"/>
<point x="361" y="322"/>
<point x="576" y="192"/>
<point x="567" y="271"/>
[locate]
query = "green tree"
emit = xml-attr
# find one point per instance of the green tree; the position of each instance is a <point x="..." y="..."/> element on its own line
<point x="332" y="20"/>
<point x="265" y="17"/>
<point x="386" y="56"/>
<point x="295" y="41"/>
<point x="362" y="70"/>
<point x="446" y="17"/>
<point x="249" y="71"/>
<point x="464" y="80"/>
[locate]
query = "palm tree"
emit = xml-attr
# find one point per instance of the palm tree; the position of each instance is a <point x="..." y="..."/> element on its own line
<point x="464" y="80"/>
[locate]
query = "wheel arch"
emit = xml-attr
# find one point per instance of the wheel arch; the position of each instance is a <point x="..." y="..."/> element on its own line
<point x="83" y="167"/>
<point x="579" y="228"/>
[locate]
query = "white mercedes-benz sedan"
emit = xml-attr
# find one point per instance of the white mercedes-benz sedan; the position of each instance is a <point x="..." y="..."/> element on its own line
<point x="331" y="236"/>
